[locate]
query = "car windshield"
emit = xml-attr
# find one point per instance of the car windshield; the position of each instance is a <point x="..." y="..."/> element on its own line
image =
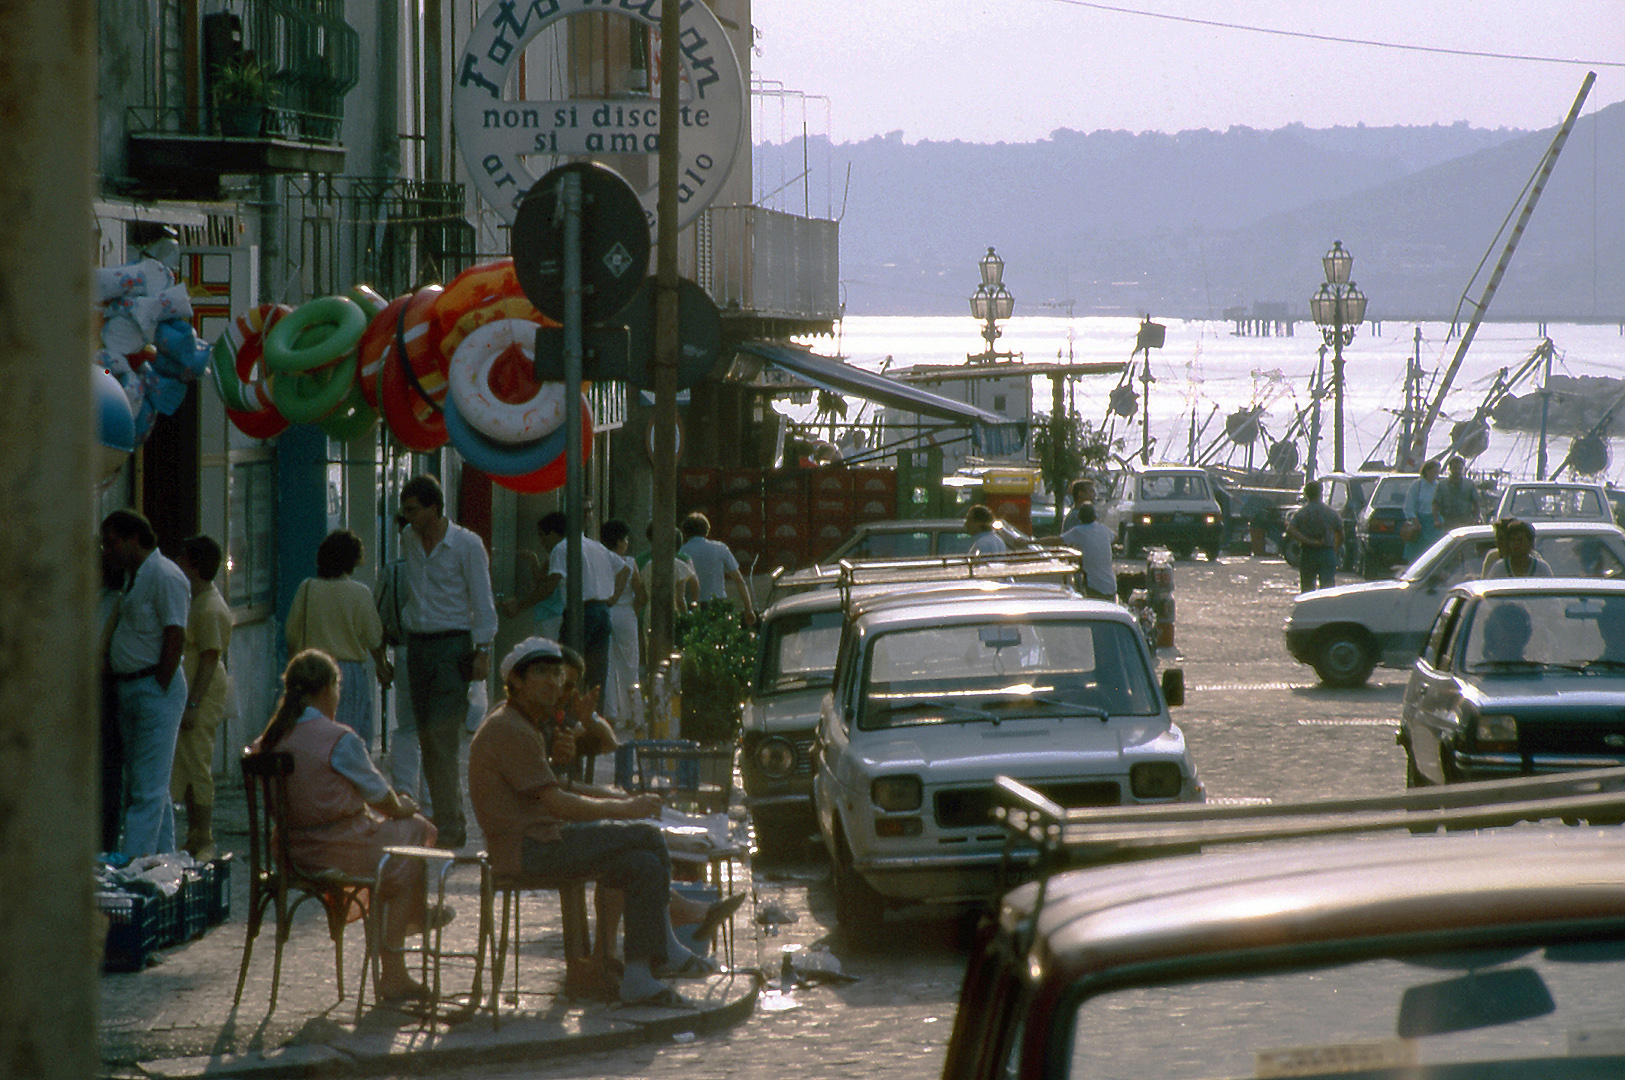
<point x="798" y="651"/>
<point x="1546" y="631"/>
<point x="997" y="671"/>
<point x="1546" y="503"/>
<point x="891" y="545"/>
<point x="1552" y="1011"/>
<point x="1179" y="486"/>
<point x="1454" y="559"/>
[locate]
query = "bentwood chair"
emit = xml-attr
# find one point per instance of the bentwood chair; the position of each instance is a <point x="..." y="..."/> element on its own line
<point x="273" y="877"/>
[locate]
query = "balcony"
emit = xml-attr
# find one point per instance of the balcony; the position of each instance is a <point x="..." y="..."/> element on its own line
<point x="171" y="156"/>
<point x="773" y="274"/>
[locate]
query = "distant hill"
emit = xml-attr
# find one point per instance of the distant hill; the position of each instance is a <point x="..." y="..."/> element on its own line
<point x="1188" y="225"/>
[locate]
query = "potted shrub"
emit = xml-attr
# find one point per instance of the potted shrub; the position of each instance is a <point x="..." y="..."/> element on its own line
<point x="242" y="91"/>
<point x="719" y="652"/>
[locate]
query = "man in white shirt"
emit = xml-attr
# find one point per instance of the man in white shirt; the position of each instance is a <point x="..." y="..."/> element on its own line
<point x="450" y="619"/>
<point x="598" y="569"/>
<point x="144" y="656"/>
<point x="1094" y="540"/>
<point x="714" y="565"/>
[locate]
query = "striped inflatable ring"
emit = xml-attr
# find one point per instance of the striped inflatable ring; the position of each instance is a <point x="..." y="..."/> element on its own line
<point x="479" y="295"/>
<point x="375" y="341"/>
<point x="242" y="331"/>
<point x="551" y="477"/>
<point x="370" y="299"/>
<point x="260" y="419"/>
<point x="319" y="333"/>
<point x="494" y="386"/>
<point x="416" y="423"/>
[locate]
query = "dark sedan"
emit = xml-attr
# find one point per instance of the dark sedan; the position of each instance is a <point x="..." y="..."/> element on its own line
<point x="1518" y="676"/>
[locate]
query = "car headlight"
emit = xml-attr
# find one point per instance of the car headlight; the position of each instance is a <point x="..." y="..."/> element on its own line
<point x="897" y="792"/>
<point x="1145" y="519"/>
<point x="1496" y="731"/>
<point x="1155" y="780"/>
<point x="776" y="758"/>
<point x="1211" y="519"/>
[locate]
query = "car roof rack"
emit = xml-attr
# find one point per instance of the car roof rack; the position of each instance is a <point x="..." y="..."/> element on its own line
<point x="1053" y="565"/>
<point x="1062" y="838"/>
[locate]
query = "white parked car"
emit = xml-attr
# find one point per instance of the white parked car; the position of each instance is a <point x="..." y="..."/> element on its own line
<point x="1171" y="505"/>
<point x="1551" y="500"/>
<point x="934" y="697"/>
<point x="1345" y="632"/>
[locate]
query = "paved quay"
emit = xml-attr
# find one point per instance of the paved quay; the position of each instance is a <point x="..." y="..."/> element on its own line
<point x="176" y="1017"/>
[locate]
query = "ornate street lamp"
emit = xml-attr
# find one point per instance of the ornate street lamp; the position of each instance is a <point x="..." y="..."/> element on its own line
<point x="991" y="302"/>
<point x="1338" y="309"/>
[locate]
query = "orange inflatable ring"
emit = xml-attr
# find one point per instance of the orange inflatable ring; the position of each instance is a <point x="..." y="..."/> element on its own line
<point x="375" y="342"/>
<point x="413" y="418"/>
<point x="261" y="420"/>
<point x="244" y="330"/>
<point x="493" y="383"/>
<point x="479" y="295"/>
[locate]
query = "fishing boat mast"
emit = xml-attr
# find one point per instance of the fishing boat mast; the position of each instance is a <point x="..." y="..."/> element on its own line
<point x="1418" y="450"/>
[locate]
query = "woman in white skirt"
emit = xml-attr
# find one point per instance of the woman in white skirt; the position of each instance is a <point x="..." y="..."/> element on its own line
<point x="621" y="688"/>
<point x="336" y="614"/>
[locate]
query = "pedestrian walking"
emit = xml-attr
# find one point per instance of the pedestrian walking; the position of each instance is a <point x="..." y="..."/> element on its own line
<point x="338" y="615"/>
<point x="1421" y="527"/>
<point x="450" y="620"/>
<point x="1456" y="501"/>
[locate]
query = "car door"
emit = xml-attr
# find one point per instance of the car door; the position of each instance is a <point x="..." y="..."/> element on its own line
<point x="830" y="745"/>
<point x="1429" y="715"/>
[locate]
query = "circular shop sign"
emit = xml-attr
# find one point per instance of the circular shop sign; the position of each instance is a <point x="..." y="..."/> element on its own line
<point x="499" y="136"/>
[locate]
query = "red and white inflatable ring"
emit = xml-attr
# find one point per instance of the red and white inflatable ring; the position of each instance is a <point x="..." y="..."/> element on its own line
<point x="493" y="382"/>
<point x="375" y="343"/>
<point x="414" y="421"/>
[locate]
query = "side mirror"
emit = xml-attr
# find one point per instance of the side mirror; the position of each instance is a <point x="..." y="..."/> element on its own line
<point x="1173" y="687"/>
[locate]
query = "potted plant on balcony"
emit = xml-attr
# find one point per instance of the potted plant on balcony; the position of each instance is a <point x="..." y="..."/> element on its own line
<point x="243" y="92"/>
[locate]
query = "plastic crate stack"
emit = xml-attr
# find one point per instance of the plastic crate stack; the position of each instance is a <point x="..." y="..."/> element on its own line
<point x="142" y="919"/>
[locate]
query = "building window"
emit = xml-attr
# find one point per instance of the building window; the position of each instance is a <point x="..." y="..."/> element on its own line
<point x="998" y="402"/>
<point x="250" y="544"/>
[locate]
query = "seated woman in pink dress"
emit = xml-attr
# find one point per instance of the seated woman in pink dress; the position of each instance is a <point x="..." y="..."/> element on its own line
<point x="341" y="811"/>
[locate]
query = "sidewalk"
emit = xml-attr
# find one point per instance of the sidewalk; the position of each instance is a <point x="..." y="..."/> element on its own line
<point x="175" y="1019"/>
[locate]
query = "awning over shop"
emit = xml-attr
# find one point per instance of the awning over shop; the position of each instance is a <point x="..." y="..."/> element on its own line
<point x="995" y="435"/>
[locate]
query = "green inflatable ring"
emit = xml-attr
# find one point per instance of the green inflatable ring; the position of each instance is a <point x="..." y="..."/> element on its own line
<point x="310" y="397"/>
<point x="297" y="344"/>
<point x="352" y="419"/>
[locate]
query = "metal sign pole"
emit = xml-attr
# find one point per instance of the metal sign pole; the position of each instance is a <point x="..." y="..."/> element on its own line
<point x="662" y="633"/>
<point x="570" y="201"/>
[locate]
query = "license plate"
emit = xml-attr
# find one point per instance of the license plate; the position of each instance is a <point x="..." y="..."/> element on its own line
<point x="1184" y="519"/>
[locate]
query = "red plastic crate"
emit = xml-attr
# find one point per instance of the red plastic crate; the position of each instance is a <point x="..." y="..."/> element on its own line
<point x="741" y="507"/>
<point x="789" y="556"/>
<point x="873" y="507"/>
<point x="829" y="481"/>
<point x="787" y="532"/>
<point x="874" y="481"/>
<point x="822" y="506"/>
<point x="735" y="480"/>
<point x="738" y="531"/>
<point x="785" y="506"/>
<point x="697" y="482"/>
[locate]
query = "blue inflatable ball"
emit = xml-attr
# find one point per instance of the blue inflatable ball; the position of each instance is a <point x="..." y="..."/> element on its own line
<point x="116" y="427"/>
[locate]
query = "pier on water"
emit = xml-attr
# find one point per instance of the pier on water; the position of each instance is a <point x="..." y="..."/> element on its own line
<point x="1261" y="320"/>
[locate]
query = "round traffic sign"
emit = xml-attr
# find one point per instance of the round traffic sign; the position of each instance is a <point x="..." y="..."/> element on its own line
<point x="614" y="243"/>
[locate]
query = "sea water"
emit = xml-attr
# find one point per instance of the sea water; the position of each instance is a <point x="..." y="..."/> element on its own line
<point x="1204" y="368"/>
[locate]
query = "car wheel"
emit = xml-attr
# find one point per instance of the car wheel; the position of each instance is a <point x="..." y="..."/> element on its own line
<point x="1213" y="554"/>
<point x="1291" y="551"/>
<point x="1345" y="658"/>
<point x="859" y="908"/>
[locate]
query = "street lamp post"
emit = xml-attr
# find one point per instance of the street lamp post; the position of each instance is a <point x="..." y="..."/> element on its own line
<point x="1338" y="309"/>
<point x="991" y="302"/>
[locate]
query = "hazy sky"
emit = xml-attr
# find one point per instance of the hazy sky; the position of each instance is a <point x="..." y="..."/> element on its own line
<point x="1015" y="70"/>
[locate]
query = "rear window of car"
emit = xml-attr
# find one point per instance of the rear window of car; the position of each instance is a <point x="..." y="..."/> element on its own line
<point x="1390" y="493"/>
<point x="996" y="671"/>
<point x="798" y="651"/>
<point x="892" y="545"/>
<point x="1566" y="502"/>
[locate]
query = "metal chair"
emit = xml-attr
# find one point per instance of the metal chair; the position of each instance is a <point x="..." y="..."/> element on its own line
<point x="572" y="908"/>
<point x="432" y="952"/>
<point x="272" y="875"/>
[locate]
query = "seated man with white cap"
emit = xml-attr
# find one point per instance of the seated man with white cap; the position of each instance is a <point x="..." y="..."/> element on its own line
<point x="538" y="829"/>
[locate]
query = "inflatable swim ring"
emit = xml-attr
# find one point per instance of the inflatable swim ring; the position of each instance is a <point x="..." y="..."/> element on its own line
<point x="504" y="459"/>
<point x="351" y="419"/>
<point x="308" y="397"/>
<point x="413" y="418"/>
<point x="319" y="333"/>
<point x="479" y="295"/>
<point x="375" y="340"/>
<point x="228" y="377"/>
<point x="492" y="380"/>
